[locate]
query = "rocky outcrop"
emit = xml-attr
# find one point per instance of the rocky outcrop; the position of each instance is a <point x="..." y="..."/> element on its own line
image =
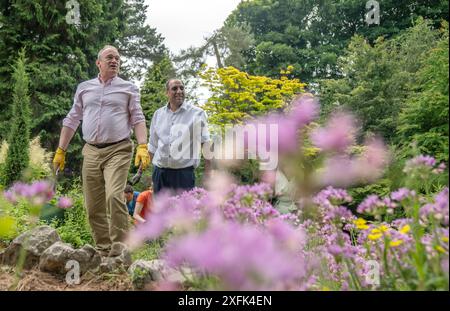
<point x="33" y="242"/>
<point x="143" y="272"/>
<point x="119" y="258"/>
<point x="56" y="259"/>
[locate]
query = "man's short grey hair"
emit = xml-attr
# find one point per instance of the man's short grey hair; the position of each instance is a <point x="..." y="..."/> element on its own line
<point x="170" y="80"/>
<point x="99" y="56"/>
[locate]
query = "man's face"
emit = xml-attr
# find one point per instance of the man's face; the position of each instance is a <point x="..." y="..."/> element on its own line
<point x="109" y="63"/>
<point x="176" y="92"/>
<point x="128" y="196"/>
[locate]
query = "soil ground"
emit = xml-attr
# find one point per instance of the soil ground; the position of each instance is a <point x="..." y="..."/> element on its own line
<point x="35" y="280"/>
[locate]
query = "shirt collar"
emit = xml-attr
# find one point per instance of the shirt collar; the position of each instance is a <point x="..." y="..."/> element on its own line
<point x="183" y="106"/>
<point x="110" y="81"/>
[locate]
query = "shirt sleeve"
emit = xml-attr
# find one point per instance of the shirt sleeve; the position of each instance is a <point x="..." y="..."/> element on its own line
<point x="75" y="115"/>
<point x="205" y="131"/>
<point x="142" y="197"/>
<point x="153" y="139"/>
<point x="136" y="114"/>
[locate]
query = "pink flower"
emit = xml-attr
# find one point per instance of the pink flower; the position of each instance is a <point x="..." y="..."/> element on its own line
<point x="305" y="109"/>
<point x="243" y="257"/>
<point x="338" y="135"/>
<point x="65" y="202"/>
<point x="342" y="170"/>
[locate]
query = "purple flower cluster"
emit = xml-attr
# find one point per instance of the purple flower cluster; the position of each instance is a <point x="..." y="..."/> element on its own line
<point x="246" y="204"/>
<point x="332" y="197"/>
<point x="329" y="201"/>
<point x="375" y="206"/>
<point x="402" y="194"/>
<point x="249" y="204"/>
<point x="436" y="245"/>
<point x="243" y="256"/>
<point x="438" y="210"/>
<point x="424" y="162"/>
<point x="37" y="193"/>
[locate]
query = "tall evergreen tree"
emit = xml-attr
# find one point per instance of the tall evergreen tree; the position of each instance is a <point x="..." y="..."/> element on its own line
<point x="424" y="119"/>
<point x="19" y="136"/>
<point x="153" y="91"/>
<point x="138" y="43"/>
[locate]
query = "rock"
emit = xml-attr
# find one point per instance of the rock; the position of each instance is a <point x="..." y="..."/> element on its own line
<point x="143" y="272"/>
<point x="119" y="258"/>
<point x="34" y="242"/>
<point x="56" y="257"/>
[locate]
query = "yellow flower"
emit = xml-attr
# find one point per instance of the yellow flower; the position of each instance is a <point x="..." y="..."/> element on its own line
<point x="440" y="249"/>
<point x="375" y="236"/>
<point x="395" y="243"/>
<point x="384" y="228"/>
<point x="405" y="229"/>
<point x="444" y="239"/>
<point x="361" y="224"/>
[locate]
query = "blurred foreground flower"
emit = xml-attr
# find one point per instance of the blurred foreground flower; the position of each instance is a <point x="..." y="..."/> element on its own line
<point x="243" y="256"/>
<point x="64" y="202"/>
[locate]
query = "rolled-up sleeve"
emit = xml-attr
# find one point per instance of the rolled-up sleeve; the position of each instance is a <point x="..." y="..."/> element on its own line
<point x="75" y="115"/>
<point x="136" y="114"/>
<point x="153" y="139"/>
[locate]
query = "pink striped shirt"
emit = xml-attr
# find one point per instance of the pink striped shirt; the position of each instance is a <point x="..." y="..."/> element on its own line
<point x="109" y="110"/>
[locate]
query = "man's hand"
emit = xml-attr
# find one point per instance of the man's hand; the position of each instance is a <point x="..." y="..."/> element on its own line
<point x="142" y="156"/>
<point x="59" y="160"/>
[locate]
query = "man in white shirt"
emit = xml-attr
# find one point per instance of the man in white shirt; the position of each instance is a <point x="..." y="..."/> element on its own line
<point x="177" y="134"/>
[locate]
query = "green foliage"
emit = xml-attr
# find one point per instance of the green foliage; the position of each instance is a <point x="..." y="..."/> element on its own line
<point x="424" y="119"/>
<point x="75" y="229"/>
<point x="20" y="215"/>
<point x="151" y="250"/>
<point x="377" y="79"/>
<point x="19" y="135"/>
<point x="312" y="34"/>
<point x="153" y="91"/>
<point x="247" y="173"/>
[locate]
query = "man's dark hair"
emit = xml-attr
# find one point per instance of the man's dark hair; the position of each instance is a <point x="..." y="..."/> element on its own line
<point x="128" y="189"/>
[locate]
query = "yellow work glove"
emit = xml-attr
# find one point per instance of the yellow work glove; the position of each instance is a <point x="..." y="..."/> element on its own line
<point x="59" y="159"/>
<point x="142" y="156"/>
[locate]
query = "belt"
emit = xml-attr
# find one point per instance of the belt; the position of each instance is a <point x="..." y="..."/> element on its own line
<point x="175" y="169"/>
<point x="101" y="146"/>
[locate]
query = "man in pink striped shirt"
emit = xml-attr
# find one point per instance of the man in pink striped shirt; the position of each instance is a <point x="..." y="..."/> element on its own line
<point x="109" y="108"/>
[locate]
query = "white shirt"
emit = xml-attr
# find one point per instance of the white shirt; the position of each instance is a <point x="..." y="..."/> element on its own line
<point x="109" y="110"/>
<point x="176" y="137"/>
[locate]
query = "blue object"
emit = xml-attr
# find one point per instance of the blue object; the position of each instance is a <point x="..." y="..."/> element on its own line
<point x="132" y="204"/>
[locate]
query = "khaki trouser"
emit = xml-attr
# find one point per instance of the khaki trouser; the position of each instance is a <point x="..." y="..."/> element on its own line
<point x="105" y="174"/>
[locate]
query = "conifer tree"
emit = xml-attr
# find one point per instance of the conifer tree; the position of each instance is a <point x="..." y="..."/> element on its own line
<point x="19" y="136"/>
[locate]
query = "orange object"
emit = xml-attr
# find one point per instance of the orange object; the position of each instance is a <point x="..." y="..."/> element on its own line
<point x="146" y="198"/>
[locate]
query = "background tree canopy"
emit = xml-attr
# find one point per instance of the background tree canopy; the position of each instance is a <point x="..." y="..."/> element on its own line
<point x="312" y="34"/>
